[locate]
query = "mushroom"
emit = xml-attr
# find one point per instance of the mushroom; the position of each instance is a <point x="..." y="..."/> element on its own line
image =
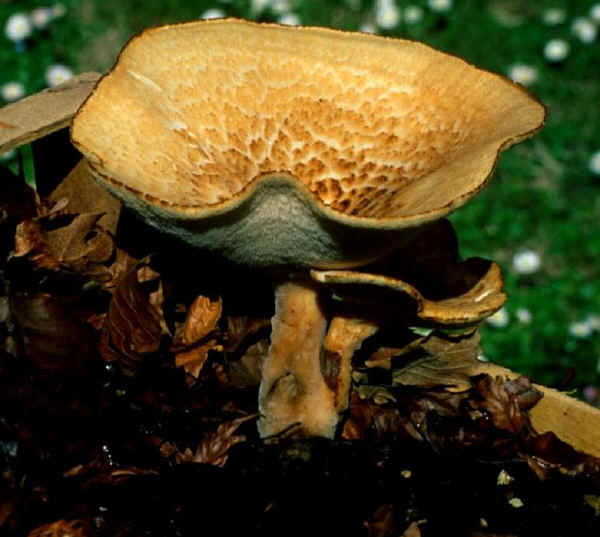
<point x="293" y="149"/>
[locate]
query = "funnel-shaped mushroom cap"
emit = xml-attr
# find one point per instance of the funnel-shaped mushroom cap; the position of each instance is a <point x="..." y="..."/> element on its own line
<point x="320" y="138"/>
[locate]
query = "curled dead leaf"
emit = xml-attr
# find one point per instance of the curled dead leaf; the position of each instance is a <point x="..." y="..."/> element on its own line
<point x="193" y="360"/>
<point x="54" y="338"/>
<point x="241" y="327"/>
<point x="82" y="194"/>
<point x="133" y="326"/>
<point x="214" y="447"/>
<point x="63" y="528"/>
<point x="71" y="242"/>
<point x="383" y="523"/>
<point x="202" y="318"/>
<point x="441" y="360"/>
<point x="501" y="402"/>
<point x="247" y="371"/>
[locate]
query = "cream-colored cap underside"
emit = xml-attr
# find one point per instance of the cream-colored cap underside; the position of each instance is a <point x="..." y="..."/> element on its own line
<point x="192" y="114"/>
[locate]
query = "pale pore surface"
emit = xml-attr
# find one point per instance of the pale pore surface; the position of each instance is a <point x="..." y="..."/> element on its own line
<point x="373" y="127"/>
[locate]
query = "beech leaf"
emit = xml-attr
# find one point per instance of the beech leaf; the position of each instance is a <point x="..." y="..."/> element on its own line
<point x="446" y="361"/>
<point x="214" y="447"/>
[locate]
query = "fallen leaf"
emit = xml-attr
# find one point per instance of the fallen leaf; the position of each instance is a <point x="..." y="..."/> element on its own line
<point x="412" y="530"/>
<point x="193" y="360"/>
<point x="63" y="528"/>
<point x="121" y="266"/>
<point x="214" y="447"/>
<point x="72" y="242"/>
<point x="54" y="338"/>
<point x="446" y="361"/>
<point x="84" y="195"/>
<point x="247" y="371"/>
<point x="202" y="318"/>
<point x="500" y="405"/>
<point x="241" y="327"/>
<point x="383" y="523"/>
<point x="133" y="325"/>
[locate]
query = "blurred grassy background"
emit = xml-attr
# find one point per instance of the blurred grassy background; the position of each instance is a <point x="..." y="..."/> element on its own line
<point x="544" y="199"/>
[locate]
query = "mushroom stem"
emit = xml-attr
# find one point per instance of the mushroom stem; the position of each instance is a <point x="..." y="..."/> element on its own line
<point x="344" y="337"/>
<point x="292" y="389"/>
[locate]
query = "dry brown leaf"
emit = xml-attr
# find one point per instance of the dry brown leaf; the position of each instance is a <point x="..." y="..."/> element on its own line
<point x="247" y="371"/>
<point x="30" y="241"/>
<point x="504" y="403"/>
<point x="54" y="339"/>
<point x="214" y="447"/>
<point x="239" y="328"/>
<point x="360" y="418"/>
<point x="193" y="360"/>
<point x="202" y="318"/>
<point x="84" y="195"/>
<point x="123" y="264"/>
<point x="447" y="361"/>
<point x="383" y="523"/>
<point x="78" y="245"/>
<point x="81" y="242"/>
<point x="382" y="357"/>
<point x="412" y="530"/>
<point x="63" y="528"/>
<point x="133" y="325"/>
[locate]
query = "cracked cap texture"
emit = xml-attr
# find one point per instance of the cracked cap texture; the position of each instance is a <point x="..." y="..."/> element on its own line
<point x="370" y="131"/>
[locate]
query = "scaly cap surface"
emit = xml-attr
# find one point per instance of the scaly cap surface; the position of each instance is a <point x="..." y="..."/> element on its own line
<point x="369" y="132"/>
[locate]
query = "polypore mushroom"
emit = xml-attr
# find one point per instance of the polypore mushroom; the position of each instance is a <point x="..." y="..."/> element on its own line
<point x="292" y="149"/>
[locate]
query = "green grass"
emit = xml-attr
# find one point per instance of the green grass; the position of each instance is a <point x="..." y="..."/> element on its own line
<point x="543" y="197"/>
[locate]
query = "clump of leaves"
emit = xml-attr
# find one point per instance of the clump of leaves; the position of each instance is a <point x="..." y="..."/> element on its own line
<point x="128" y="390"/>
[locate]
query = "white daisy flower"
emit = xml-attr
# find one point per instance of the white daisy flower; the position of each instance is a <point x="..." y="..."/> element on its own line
<point x="57" y="74"/>
<point x="584" y="29"/>
<point x="387" y="14"/>
<point x="281" y="6"/>
<point x="214" y="13"/>
<point x="440" y="6"/>
<point x="368" y="28"/>
<point x="413" y="14"/>
<point x="594" y="164"/>
<point x="7" y="155"/>
<point x="556" y="50"/>
<point x="516" y="502"/>
<point x="524" y="315"/>
<point x="258" y="6"/>
<point x="593" y="321"/>
<point x="595" y="13"/>
<point x="12" y="91"/>
<point x="580" y="329"/>
<point x="289" y="19"/>
<point x="554" y="16"/>
<point x="526" y="262"/>
<point x="500" y="319"/>
<point x="41" y="17"/>
<point x="18" y="27"/>
<point x="522" y="74"/>
<point x="59" y="10"/>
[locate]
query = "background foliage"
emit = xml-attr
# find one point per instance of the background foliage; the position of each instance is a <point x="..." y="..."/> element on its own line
<point x="544" y="198"/>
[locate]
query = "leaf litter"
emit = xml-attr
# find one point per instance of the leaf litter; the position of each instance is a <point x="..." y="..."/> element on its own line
<point x="129" y="408"/>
